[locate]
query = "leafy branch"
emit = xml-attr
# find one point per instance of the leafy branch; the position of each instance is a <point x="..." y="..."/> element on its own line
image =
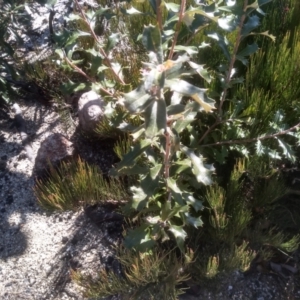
<point x="106" y="59"/>
<point x="261" y="138"/>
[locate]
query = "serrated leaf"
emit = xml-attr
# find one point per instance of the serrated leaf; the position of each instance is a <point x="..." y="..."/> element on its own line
<point x="137" y="100"/>
<point x="189" y="15"/>
<point x="135" y="151"/>
<point x="248" y="50"/>
<point x="222" y="42"/>
<point x="154" y="81"/>
<point x="190" y="50"/>
<point x="151" y="40"/>
<point x="139" y="238"/>
<point x="202" y="172"/>
<point x="176" y="192"/>
<point x="196" y="222"/>
<point x="139" y="198"/>
<point x="252" y="23"/>
<point x="288" y="151"/>
<point x="192" y="91"/>
<point x="172" y="6"/>
<point x="72" y="87"/>
<point x="191" y="200"/>
<point x="265" y="33"/>
<point x="67" y="37"/>
<point x="228" y="23"/>
<point x="201" y="71"/>
<point x="131" y="11"/>
<point x="175" y="111"/>
<point x="179" y="235"/>
<point x="154" y="171"/>
<point x="113" y="39"/>
<point x="187" y="118"/>
<point x="155" y="118"/>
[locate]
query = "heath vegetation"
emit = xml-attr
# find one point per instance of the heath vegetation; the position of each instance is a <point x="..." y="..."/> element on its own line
<point x="202" y="100"/>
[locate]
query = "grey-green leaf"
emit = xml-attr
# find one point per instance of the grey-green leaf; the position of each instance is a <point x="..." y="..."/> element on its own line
<point x="192" y="91"/>
<point x="152" y="41"/>
<point x="179" y="235"/>
<point x="155" y="118"/>
<point x="137" y="100"/>
<point x="202" y="172"/>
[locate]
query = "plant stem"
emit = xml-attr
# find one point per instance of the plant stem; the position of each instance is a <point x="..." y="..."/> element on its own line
<point x="102" y="52"/>
<point x="159" y="14"/>
<point x="233" y="59"/>
<point x="84" y="74"/>
<point x="245" y="141"/>
<point x="167" y="163"/>
<point x="228" y="77"/>
<point x="181" y="11"/>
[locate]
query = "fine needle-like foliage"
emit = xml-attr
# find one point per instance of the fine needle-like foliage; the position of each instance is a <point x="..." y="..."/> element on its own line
<point x="75" y="184"/>
<point x="155" y="275"/>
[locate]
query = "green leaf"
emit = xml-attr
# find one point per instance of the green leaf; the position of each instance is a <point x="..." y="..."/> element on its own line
<point x="252" y="23"/>
<point x="113" y="39"/>
<point x="222" y="42"/>
<point x="172" y="6"/>
<point x="137" y="100"/>
<point x="201" y="171"/>
<point x="201" y="71"/>
<point x="181" y="124"/>
<point x="176" y="192"/>
<point x="155" y="118"/>
<point x="139" y="198"/>
<point x="191" y="200"/>
<point x="228" y="23"/>
<point x="190" y="50"/>
<point x="67" y="37"/>
<point x="135" y="151"/>
<point x="189" y="15"/>
<point x="179" y="235"/>
<point x="154" y="81"/>
<point x="72" y="87"/>
<point x="288" y="151"/>
<point x="175" y="109"/>
<point x="139" y="238"/>
<point x="151" y="40"/>
<point x="265" y="33"/>
<point x="131" y="11"/>
<point x="248" y="50"/>
<point x="192" y="91"/>
<point x="196" y="222"/>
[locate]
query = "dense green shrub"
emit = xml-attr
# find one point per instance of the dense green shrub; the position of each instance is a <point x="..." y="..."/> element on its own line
<point x="190" y="84"/>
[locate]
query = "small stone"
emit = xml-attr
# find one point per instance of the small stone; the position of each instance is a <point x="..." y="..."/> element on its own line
<point x="90" y="110"/>
<point x="54" y="148"/>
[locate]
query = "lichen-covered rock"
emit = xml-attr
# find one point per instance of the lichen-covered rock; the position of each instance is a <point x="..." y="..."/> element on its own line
<point x="90" y="110"/>
<point x="54" y="148"/>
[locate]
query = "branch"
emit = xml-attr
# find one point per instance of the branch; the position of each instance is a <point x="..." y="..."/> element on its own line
<point x="233" y="58"/>
<point x="159" y="14"/>
<point x="84" y="74"/>
<point x="181" y="11"/>
<point x="167" y="162"/>
<point x="227" y="80"/>
<point x="106" y="59"/>
<point x="245" y="141"/>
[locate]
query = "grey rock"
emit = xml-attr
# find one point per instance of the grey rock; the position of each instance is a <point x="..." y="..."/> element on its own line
<point x="53" y="149"/>
<point x="90" y="110"/>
